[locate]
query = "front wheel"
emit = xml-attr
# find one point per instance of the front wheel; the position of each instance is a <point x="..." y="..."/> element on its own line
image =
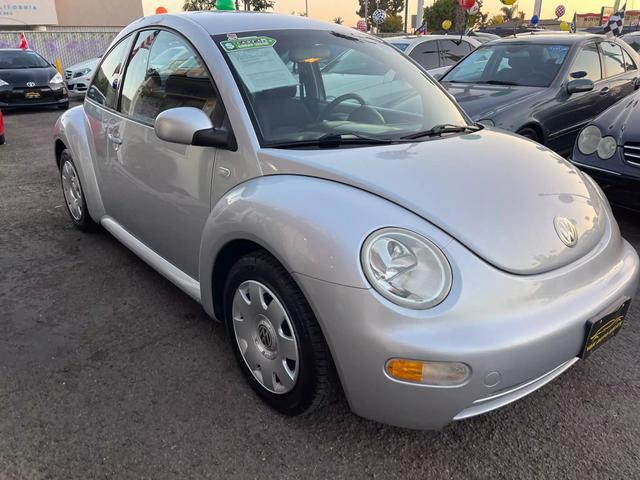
<point x="275" y="336"/>
<point x="73" y="194"/>
<point x="529" y="133"/>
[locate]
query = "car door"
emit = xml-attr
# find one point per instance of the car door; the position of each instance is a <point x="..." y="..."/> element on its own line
<point x="617" y="79"/>
<point x="163" y="190"/>
<point x="426" y="54"/>
<point x="568" y="114"/>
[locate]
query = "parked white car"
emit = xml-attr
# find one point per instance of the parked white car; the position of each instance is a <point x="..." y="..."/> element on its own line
<point x="435" y="53"/>
<point x="78" y="76"/>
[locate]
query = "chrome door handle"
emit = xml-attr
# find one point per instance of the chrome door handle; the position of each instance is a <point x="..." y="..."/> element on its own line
<point x="113" y="138"/>
<point x="604" y="91"/>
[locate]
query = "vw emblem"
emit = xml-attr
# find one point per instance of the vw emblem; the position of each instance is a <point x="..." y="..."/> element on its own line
<point x="265" y="336"/>
<point x="31" y="84"/>
<point x="566" y="230"/>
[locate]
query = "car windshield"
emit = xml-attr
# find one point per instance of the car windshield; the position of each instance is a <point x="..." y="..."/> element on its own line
<point x="12" y="59"/>
<point x="525" y="65"/>
<point x="304" y="86"/>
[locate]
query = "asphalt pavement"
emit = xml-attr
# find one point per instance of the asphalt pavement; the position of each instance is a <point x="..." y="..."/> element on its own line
<point x="108" y="371"/>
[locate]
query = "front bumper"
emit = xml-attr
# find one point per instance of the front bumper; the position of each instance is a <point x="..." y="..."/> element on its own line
<point x="17" y="97"/>
<point x="516" y="333"/>
<point x="621" y="188"/>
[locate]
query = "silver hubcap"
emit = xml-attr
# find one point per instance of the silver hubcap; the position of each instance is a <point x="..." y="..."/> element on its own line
<point x="265" y="336"/>
<point x="72" y="190"/>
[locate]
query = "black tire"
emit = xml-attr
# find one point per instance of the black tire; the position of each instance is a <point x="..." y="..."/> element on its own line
<point x="84" y="222"/>
<point x="317" y="383"/>
<point x="529" y="133"/>
<point x="2" y="139"/>
<point x="64" y="106"/>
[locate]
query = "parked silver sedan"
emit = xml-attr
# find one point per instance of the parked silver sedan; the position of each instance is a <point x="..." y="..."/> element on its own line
<point x="432" y="268"/>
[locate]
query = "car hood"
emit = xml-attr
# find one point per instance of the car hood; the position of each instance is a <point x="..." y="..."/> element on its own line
<point x="496" y="193"/>
<point x="484" y="101"/>
<point x="19" y="77"/>
<point x="91" y="63"/>
<point x="622" y="120"/>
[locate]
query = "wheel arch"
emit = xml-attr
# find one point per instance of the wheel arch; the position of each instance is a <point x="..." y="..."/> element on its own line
<point x="536" y="127"/>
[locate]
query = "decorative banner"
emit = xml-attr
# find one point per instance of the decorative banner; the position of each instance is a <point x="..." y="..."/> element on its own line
<point x="535" y="20"/>
<point x="362" y="25"/>
<point x="379" y="16"/>
<point x="467" y="4"/>
<point x="161" y="10"/>
<point x="560" y="11"/>
<point x="474" y="9"/>
<point x="565" y="27"/>
<point x="446" y="25"/>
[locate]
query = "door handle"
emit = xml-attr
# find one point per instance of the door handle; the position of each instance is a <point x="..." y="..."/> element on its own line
<point x="114" y="138"/>
<point x="605" y="91"/>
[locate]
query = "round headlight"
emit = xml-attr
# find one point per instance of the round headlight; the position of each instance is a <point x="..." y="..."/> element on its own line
<point x="406" y="268"/>
<point x="607" y="147"/>
<point x="589" y="139"/>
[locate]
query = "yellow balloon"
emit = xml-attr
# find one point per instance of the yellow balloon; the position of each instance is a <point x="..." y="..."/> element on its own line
<point x="498" y="20"/>
<point x="446" y="25"/>
<point x="565" y="27"/>
<point x="508" y="2"/>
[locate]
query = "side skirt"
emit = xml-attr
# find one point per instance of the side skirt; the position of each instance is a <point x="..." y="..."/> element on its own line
<point x="172" y="273"/>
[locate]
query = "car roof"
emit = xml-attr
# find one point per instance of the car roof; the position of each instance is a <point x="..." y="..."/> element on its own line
<point x="411" y="39"/>
<point x="549" y="38"/>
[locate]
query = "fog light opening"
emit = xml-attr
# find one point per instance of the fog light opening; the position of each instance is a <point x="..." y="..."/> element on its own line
<point x="441" y="374"/>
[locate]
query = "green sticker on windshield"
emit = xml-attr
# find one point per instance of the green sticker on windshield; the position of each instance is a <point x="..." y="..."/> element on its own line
<point x="246" y="43"/>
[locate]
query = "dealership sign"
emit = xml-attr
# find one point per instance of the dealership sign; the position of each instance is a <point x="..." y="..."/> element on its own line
<point x="28" y="12"/>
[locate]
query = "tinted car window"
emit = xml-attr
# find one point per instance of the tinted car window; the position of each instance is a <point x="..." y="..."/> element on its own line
<point x="527" y="65"/>
<point x="427" y="54"/>
<point x="104" y="89"/>
<point x="628" y="62"/>
<point x="587" y="64"/>
<point x="17" y="59"/>
<point x="613" y="59"/>
<point x="454" y="51"/>
<point x="164" y="72"/>
<point x="401" y="46"/>
<point x="633" y="40"/>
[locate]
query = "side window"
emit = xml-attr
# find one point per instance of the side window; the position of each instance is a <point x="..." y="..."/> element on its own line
<point x="104" y="88"/>
<point x="628" y="62"/>
<point x="453" y="52"/>
<point x="427" y="55"/>
<point x="164" y="72"/>
<point x="613" y="59"/>
<point x="587" y="64"/>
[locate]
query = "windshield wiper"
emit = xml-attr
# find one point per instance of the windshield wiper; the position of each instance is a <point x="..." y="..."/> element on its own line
<point x="499" y="82"/>
<point x="333" y="140"/>
<point x="439" y="130"/>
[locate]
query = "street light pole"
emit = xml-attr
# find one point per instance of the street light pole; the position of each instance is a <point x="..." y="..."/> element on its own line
<point x="306" y="8"/>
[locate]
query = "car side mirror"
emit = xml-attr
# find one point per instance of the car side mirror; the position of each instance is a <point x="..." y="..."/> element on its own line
<point x="636" y="83"/>
<point x="580" y="85"/>
<point x="191" y="126"/>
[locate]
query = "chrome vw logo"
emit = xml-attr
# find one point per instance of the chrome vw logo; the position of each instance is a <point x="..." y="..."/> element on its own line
<point x="266" y="338"/>
<point x="31" y="84"/>
<point x="566" y="231"/>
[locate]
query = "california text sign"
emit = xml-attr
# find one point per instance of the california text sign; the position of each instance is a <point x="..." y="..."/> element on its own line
<point x="28" y="12"/>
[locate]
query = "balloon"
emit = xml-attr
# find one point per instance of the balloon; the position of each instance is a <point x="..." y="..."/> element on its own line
<point x="508" y="2"/>
<point x="498" y="20"/>
<point x="560" y="11"/>
<point x="379" y="16"/>
<point x="225" y="5"/>
<point x="535" y="20"/>
<point x="161" y="10"/>
<point x="475" y="9"/>
<point x="565" y="27"/>
<point x="467" y="4"/>
<point x="446" y="25"/>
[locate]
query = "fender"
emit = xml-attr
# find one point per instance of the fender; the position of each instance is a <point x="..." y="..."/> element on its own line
<point x="314" y="227"/>
<point x="74" y="131"/>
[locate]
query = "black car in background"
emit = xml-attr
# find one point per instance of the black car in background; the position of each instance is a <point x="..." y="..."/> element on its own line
<point x="608" y="149"/>
<point x="27" y="79"/>
<point x="544" y="87"/>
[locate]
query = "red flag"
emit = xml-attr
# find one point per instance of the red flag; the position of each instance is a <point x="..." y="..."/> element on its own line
<point x="24" y="45"/>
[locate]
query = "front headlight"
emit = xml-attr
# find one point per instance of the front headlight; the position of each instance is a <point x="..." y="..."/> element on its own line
<point x="3" y="83"/>
<point x="589" y="139"/>
<point x="82" y="72"/>
<point x="56" y="79"/>
<point x="406" y="268"/>
<point x="607" y="147"/>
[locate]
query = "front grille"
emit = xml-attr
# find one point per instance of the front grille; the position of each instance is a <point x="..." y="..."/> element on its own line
<point x="67" y="74"/>
<point x="632" y="154"/>
<point x="18" y="96"/>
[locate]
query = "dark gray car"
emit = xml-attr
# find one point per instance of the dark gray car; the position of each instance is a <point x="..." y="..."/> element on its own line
<point x="544" y="87"/>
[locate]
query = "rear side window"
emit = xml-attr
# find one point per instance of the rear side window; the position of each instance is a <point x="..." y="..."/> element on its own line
<point x="628" y="62"/>
<point x="427" y="55"/>
<point x="454" y="51"/>
<point x="613" y="59"/>
<point x="587" y="64"/>
<point x="164" y="72"/>
<point x="104" y="89"/>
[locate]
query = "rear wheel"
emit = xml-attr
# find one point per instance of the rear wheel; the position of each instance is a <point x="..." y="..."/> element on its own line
<point x="73" y="194"/>
<point x="529" y="133"/>
<point x="275" y="336"/>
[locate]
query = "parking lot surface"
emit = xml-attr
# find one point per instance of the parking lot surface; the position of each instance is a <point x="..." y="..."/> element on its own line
<point x="109" y="371"/>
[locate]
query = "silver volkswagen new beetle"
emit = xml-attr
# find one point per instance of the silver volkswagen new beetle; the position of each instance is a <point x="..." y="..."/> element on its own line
<point x="370" y="238"/>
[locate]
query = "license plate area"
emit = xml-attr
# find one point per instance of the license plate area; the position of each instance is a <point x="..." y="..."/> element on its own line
<point x="600" y="331"/>
<point x="31" y="94"/>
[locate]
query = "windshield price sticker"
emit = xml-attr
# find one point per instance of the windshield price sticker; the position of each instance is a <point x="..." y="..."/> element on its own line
<point x="258" y="64"/>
